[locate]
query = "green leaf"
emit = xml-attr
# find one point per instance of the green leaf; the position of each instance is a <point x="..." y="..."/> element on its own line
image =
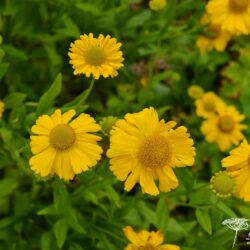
<point x="91" y="8"/>
<point x="48" y="97"/>
<point x="60" y="230"/>
<point x="138" y="20"/>
<point x="204" y="219"/>
<point x="162" y="214"/>
<point x="46" y="241"/>
<point x="7" y="186"/>
<point x="14" y="100"/>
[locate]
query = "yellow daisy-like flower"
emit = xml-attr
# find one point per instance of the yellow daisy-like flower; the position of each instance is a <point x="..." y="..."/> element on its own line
<point x="96" y="56"/>
<point x="238" y="166"/>
<point x="144" y="149"/>
<point x="144" y="240"/>
<point x="231" y="15"/>
<point x="1" y="108"/>
<point x="225" y="128"/>
<point x="206" y="106"/>
<point x="157" y="4"/>
<point x="217" y="40"/>
<point x="64" y="147"/>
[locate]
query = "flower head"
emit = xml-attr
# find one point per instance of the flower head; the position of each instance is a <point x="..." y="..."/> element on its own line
<point x="96" y="56"/>
<point x="62" y="147"/>
<point x="1" y="108"/>
<point x="231" y="15"/>
<point x="107" y="123"/>
<point x="224" y="128"/>
<point x="206" y="106"/>
<point x="238" y="166"/>
<point x="157" y="4"/>
<point x="144" y="240"/>
<point x="195" y="91"/>
<point x="144" y="149"/>
<point x="222" y="184"/>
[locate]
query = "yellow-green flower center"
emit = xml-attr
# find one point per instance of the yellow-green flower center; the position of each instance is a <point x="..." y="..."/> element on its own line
<point x="62" y="137"/>
<point x="95" y="56"/>
<point x="238" y="6"/>
<point x="154" y="152"/>
<point x="226" y="123"/>
<point x="147" y="247"/>
<point x="209" y="106"/>
<point x="223" y="184"/>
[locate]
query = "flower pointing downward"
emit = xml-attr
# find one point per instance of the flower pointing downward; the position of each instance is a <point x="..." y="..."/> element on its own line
<point x="236" y="224"/>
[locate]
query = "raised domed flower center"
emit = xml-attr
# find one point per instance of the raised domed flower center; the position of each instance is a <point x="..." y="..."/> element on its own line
<point x="95" y="56"/>
<point x="62" y="137"/>
<point x="209" y="106"/>
<point x="147" y="247"/>
<point x="238" y="6"/>
<point x="223" y="184"/>
<point x="226" y="123"/>
<point x="154" y="152"/>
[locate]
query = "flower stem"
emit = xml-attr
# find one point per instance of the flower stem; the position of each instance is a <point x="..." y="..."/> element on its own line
<point x="235" y="237"/>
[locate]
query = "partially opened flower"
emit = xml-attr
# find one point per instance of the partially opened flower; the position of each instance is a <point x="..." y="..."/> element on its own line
<point x="1" y="108"/>
<point x="99" y="56"/>
<point x="144" y="149"/>
<point x="231" y="15"/>
<point x="206" y="106"/>
<point x="64" y="147"/>
<point x="157" y="4"/>
<point x="225" y="128"/>
<point x="238" y="166"/>
<point x="144" y="240"/>
<point x="195" y="92"/>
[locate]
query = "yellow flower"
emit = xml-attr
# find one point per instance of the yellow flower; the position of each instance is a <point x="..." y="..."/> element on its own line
<point x="1" y="108"/>
<point x="62" y="147"/>
<point x="231" y="15"/>
<point x="225" y="128"/>
<point x="206" y="106"/>
<point x="218" y="39"/>
<point x="222" y="184"/>
<point x="96" y="56"/>
<point x="144" y="149"/>
<point x="144" y="240"/>
<point x="157" y="4"/>
<point x="195" y="91"/>
<point x="238" y="166"/>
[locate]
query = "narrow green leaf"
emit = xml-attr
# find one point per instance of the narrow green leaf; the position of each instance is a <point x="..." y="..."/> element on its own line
<point x="14" y="100"/>
<point x="162" y="214"/>
<point x="48" y="97"/>
<point x="204" y="219"/>
<point x="7" y="186"/>
<point x="61" y="229"/>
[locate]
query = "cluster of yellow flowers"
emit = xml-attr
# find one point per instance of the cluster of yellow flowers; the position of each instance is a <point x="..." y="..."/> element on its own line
<point x="225" y="19"/>
<point x="223" y="126"/>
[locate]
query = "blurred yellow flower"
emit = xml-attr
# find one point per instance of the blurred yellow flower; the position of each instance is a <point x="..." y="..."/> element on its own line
<point x="231" y="15"/>
<point x="144" y="240"/>
<point x="217" y="39"/>
<point x="64" y="148"/>
<point x="238" y="166"/>
<point x="144" y="149"/>
<point x="206" y="106"/>
<point x="1" y="108"/>
<point x="157" y="4"/>
<point x="195" y="91"/>
<point x="96" y="56"/>
<point x="224" y="128"/>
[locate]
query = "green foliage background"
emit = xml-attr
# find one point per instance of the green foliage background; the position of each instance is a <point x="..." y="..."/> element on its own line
<point x="35" y="77"/>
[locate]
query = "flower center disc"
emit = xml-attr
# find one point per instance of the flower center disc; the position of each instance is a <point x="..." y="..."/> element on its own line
<point x="154" y="152"/>
<point x="226" y="123"/>
<point x="209" y="106"/>
<point x="223" y="184"/>
<point x="62" y="137"/>
<point x="238" y="6"/>
<point x="95" y="56"/>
